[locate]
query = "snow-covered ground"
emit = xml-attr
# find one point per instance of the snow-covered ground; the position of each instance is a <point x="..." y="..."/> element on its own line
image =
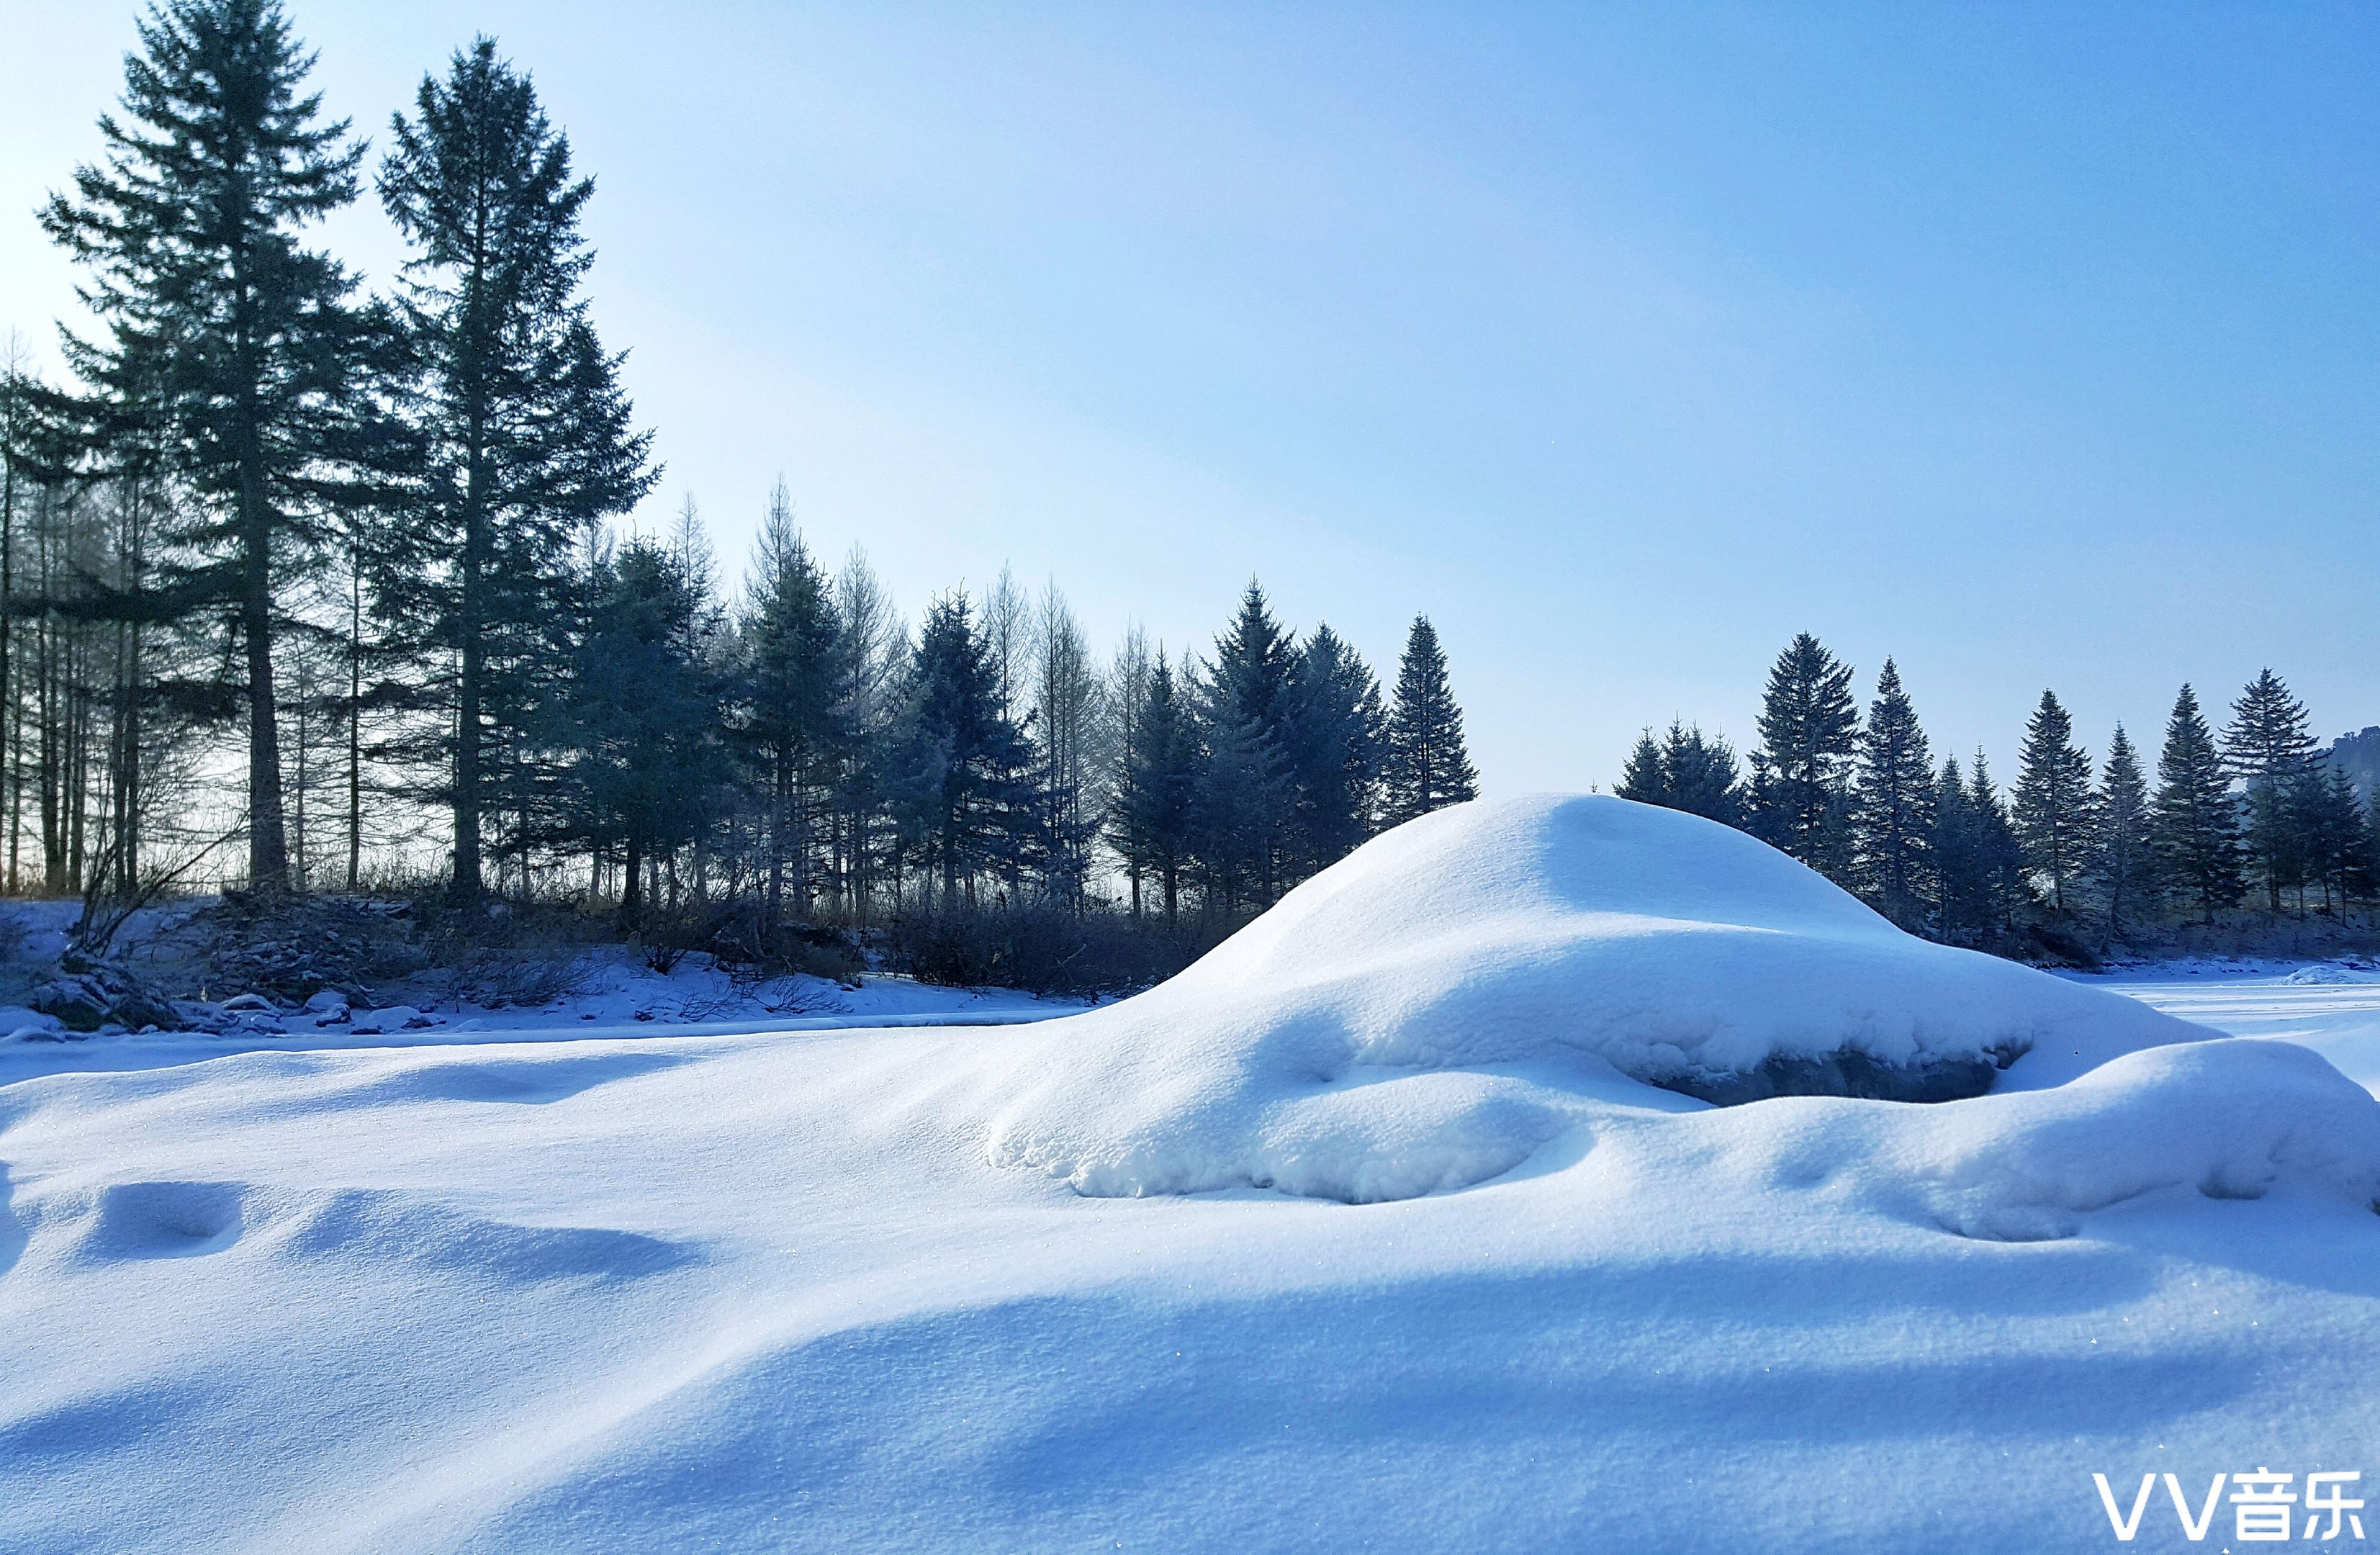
<point x="646" y="1288"/>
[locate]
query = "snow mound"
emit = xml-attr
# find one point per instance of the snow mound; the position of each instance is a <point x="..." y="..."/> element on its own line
<point x="1430" y="1010"/>
<point x="2228" y="1118"/>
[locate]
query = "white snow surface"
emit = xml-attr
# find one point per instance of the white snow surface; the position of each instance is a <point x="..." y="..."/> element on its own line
<point x="839" y="1289"/>
<point x="1429" y="1012"/>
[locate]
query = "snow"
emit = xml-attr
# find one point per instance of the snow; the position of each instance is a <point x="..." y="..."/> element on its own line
<point x="673" y="1287"/>
<point x="1429" y="1012"/>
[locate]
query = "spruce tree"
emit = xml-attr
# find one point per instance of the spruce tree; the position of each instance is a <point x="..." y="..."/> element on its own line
<point x="520" y="431"/>
<point x="1244" y="788"/>
<point x="2123" y="866"/>
<point x="792" y="731"/>
<point x="1700" y="773"/>
<point x="957" y="756"/>
<point x="1427" y="767"/>
<point x="1893" y="805"/>
<point x="1150" y="828"/>
<point x="1809" y="729"/>
<point x="229" y="340"/>
<point x="2003" y="891"/>
<point x="2269" y="747"/>
<point x="1959" y="883"/>
<point x="2196" y="830"/>
<point x="2054" y="819"/>
<point x="1336" y="734"/>
<point x="645" y="703"/>
<point x="1646" y="778"/>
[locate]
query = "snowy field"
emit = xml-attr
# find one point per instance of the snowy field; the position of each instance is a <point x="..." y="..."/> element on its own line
<point x="1367" y="1232"/>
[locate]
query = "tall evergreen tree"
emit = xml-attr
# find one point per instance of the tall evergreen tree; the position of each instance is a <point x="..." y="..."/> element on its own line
<point x="2195" y="831"/>
<point x="1999" y="857"/>
<point x="1151" y="825"/>
<point x="1809" y="729"/>
<point x="1244" y="789"/>
<point x="956" y="765"/>
<point x="1700" y="774"/>
<point x="644" y="705"/>
<point x="2054" y="816"/>
<point x="1893" y="805"/>
<point x="1685" y="770"/>
<point x="1069" y="726"/>
<point x="1336" y="734"/>
<point x="793" y="691"/>
<point x="1960" y="884"/>
<point x="2123" y="863"/>
<point x="227" y="338"/>
<point x="2269" y="747"/>
<point x="521" y="431"/>
<point x="1427" y="767"/>
<point x="2337" y="835"/>
<point x="1645" y="777"/>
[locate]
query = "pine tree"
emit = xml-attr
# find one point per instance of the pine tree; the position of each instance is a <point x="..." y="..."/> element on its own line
<point x="957" y="756"/>
<point x="2332" y="826"/>
<point x="1809" y="729"/>
<point x="227" y="339"/>
<point x="520" y="434"/>
<point x="1893" y="805"/>
<point x="1960" y="885"/>
<point x="645" y="704"/>
<point x="2269" y="745"/>
<point x="792" y="690"/>
<point x="2054" y="819"/>
<point x="1427" y="768"/>
<point x="1151" y="824"/>
<point x="1336" y="734"/>
<point x="1244" y="790"/>
<point x="1646" y="778"/>
<point x="1700" y="773"/>
<point x="2123" y="866"/>
<point x="1069" y="733"/>
<point x="2195" y="832"/>
<point x="1685" y="770"/>
<point x="2003" y="891"/>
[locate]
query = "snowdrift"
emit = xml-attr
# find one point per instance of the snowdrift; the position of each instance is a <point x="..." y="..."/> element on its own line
<point x="1436" y="1008"/>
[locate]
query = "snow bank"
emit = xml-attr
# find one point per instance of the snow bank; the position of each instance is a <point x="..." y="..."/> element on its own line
<point x="1431" y="1010"/>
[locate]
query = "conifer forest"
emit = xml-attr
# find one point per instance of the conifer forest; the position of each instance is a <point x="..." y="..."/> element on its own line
<point x="308" y="588"/>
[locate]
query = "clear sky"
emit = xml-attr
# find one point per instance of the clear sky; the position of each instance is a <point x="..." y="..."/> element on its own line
<point x="2031" y="346"/>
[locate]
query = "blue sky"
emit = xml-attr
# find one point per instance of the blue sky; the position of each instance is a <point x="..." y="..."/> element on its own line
<point x="2031" y="346"/>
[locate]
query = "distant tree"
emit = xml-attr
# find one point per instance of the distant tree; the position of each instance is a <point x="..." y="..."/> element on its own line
<point x="2195" y="829"/>
<point x="2336" y="833"/>
<point x="2053" y="811"/>
<point x="1336" y="733"/>
<point x="645" y="706"/>
<point x="2123" y="862"/>
<point x="1893" y="804"/>
<point x="1069" y="728"/>
<point x="1960" y="887"/>
<point x="1702" y="776"/>
<point x="1427" y="767"/>
<point x="1801" y="781"/>
<point x="1151" y="824"/>
<point x="792" y="733"/>
<point x="1645" y="777"/>
<point x="956" y="759"/>
<point x="2003" y="891"/>
<point x="225" y="337"/>
<point x="2269" y="747"/>
<point x="1244" y="789"/>
<point x="520" y="435"/>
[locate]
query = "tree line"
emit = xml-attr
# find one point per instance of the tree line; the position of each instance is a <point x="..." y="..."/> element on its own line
<point x="378" y="534"/>
<point x="2255" y="813"/>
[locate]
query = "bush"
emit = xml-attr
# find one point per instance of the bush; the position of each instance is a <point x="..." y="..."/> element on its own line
<point x="1042" y="950"/>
